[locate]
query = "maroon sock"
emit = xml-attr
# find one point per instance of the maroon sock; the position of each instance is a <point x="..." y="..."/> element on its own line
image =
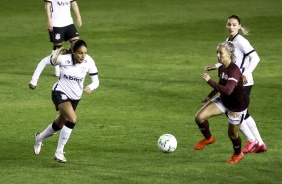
<point x="204" y="128"/>
<point x="236" y="145"/>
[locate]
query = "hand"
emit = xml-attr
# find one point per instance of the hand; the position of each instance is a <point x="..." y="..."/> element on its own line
<point x="245" y="81"/>
<point x="31" y="86"/>
<point x="211" y="67"/>
<point x="205" y="100"/>
<point x="206" y="77"/>
<point x="79" y="22"/>
<point x="87" y="90"/>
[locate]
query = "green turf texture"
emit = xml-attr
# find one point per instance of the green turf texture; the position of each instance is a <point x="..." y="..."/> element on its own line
<point x="150" y="55"/>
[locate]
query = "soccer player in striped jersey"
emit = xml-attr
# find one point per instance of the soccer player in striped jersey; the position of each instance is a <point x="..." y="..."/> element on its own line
<point x="232" y="101"/>
<point x="66" y="92"/>
<point x="60" y="23"/>
<point x="247" y="60"/>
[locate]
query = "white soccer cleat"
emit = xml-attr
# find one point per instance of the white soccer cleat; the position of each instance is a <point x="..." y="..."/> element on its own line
<point x="37" y="145"/>
<point x="59" y="156"/>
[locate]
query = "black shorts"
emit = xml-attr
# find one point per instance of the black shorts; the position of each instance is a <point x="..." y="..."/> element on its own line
<point x="247" y="90"/>
<point x="60" y="34"/>
<point x="59" y="97"/>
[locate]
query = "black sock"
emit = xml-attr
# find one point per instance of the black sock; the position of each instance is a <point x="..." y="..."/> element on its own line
<point x="55" y="127"/>
<point x="236" y="145"/>
<point x="204" y="128"/>
<point x="70" y="125"/>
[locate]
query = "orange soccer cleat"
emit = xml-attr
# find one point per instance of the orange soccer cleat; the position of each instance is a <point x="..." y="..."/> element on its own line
<point x="235" y="158"/>
<point x="202" y="144"/>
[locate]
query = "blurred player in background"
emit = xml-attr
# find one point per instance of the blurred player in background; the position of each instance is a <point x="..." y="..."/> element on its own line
<point x="60" y="23"/>
<point x="232" y="101"/>
<point x="246" y="58"/>
<point x="66" y="92"/>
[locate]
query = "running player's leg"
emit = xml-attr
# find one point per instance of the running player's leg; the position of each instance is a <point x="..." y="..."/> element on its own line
<point x="250" y="129"/>
<point x="201" y="118"/>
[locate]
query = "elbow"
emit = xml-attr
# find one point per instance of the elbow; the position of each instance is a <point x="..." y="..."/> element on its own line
<point x="228" y="91"/>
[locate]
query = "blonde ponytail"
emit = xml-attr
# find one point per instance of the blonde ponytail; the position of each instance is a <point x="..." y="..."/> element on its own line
<point x="244" y="31"/>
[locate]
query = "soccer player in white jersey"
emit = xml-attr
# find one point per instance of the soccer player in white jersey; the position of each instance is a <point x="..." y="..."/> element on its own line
<point x="60" y="23"/>
<point x="66" y="92"/>
<point x="247" y="60"/>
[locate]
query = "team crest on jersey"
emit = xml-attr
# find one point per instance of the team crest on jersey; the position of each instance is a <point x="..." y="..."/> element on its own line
<point x="64" y="97"/>
<point x="233" y="114"/>
<point x="83" y="69"/>
<point x="224" y="76"/>
<point x="57" y="36"/>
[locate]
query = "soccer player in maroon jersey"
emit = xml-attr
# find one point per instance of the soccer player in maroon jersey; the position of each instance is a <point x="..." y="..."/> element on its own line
<point x="246" y="59"/>
<point x="232" y="101"/>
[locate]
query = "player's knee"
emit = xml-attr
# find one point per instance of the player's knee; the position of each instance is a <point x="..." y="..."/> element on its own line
<point x="74" y="39"/>
<point x="198" y="118"/>
<point x="70" y="124"/>
<point x="72" y="118"/>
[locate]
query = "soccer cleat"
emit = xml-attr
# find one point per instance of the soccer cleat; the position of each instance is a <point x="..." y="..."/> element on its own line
<point x="201" y="145"/>
<point x="59" y="156"/>
<point x="249" y="146"/>
<point x="37" y="145"/>
<point x="235" y="158"/>
<point x="259" y="148"/>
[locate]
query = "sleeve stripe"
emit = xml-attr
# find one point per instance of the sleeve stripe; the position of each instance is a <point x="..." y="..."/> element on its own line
<point x="233" y="79"/>
<point x="249" y="52"/>
<point x="245" y="55"/>
<point x="51" y="60"/>
<point x="91" y="74"/>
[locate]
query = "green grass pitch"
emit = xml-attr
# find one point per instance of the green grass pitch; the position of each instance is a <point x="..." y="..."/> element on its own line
<point x="150" y="55"/>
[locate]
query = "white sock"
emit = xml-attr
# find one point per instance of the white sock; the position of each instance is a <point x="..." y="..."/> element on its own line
<point x="63" y="139"/>
<point x="247" y="132"/>
<point x="253" y="127"/>
<point x="46" y="133"/>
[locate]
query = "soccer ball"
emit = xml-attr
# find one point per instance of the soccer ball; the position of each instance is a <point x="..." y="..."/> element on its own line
<point x="167" y="143"/>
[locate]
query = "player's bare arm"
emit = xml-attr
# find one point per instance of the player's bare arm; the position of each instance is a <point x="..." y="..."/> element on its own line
<point x="77" y="13"/>
<point x="48" y="14"/>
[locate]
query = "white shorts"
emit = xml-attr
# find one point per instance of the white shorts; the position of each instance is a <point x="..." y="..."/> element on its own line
<point x="234" y="118"/>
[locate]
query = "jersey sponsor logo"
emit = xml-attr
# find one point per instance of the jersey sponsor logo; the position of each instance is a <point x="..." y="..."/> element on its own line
<point x="73" y="78"/>
<point x="63" y="3"/>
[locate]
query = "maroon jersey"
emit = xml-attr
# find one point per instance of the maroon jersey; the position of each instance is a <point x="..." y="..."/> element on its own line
<point x="230" y="87"/>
